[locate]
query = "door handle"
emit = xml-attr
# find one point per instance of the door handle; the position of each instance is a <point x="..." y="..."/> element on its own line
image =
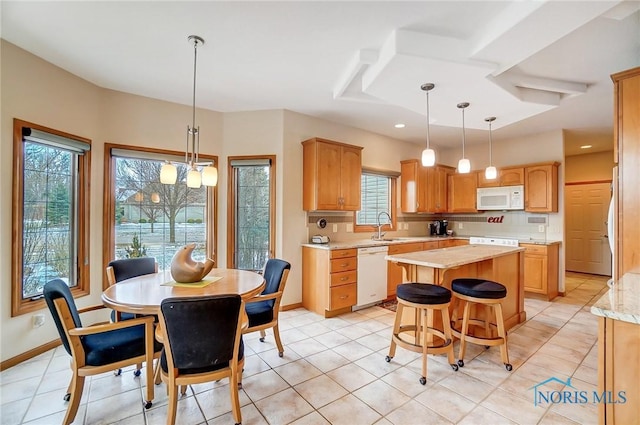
<point x="605" y="236"/>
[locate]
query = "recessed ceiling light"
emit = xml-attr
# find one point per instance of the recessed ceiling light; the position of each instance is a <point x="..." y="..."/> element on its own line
<point x="586" y="147"/>
<point x="399" y="125"/>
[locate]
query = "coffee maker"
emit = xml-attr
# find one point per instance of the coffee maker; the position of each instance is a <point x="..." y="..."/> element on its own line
<point x="438" y="228"/>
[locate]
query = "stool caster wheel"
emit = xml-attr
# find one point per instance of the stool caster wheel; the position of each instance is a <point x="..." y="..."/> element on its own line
<point x="423" y="380"/>
<point x="454" y="367"/>
<point x="137" y="373"/>
<point x="508" y="366"/>
<point x="67" y="397"/>
<point x="261" y="339"/>
<point x="147" y="404"/>
<point x="486" y="347"/>
<point x="461" y="363"/>
<point x="117" y="372"/>
<point x="281" y="353"/>
<point x="388" y="359"/>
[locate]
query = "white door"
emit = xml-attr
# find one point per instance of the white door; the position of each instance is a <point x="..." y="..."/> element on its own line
<point x="587" y="246"/>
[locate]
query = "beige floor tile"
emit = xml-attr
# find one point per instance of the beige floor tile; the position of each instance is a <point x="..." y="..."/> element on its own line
<point x="586" y="374"/>
<point x="283" y="407"/>
<point x="468" y="386"/>
<point x="515" y="409"/>
<point x="585" y="414"/>
<point x="446" y="403"/>
<point x="352" y="351"/>
<point x="414" y="413"/>
<point x="250" y="416"/>
<point x="553" y="418"/>
<point x="254" y="364"/>
<point x="320" y="391"/>
<point x="291" y="335"/>
<point x="297" y="372"/>
<point x="351" y="376"/>
<point x="481" y="415"/>
<point x="313" y="418"/>
<point x="327" y="360"/>
<point x="128" y="404"/>
<point x="307" y="347"/>
<point x="273" y="359"/>
<point x="332" y="339"/>
<point x="19" y="390"/>
<point x="314" y="329"/>
<point x="491" y="373"/>
<point x="55" y="418"/>
<point x="14" y="411"/>
<point x="376" y="364"/>
<point x="353" y="332"/>
<point x="406" y="381"/>
<point x="563" y="352"/>
<point x="348" y="410"/>
<point x="263" y="385"/>
<point x="217" y="401"/>
<point x="381" y="397"/>
<point x="375" y="342"/>
<point x="553" y="364"/>
<point x="373" y="325"/>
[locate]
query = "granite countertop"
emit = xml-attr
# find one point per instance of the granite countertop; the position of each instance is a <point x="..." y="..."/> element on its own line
<point x="363" y="243"/>
<point x="445" y="258"/>
<point x="622" y="301"/>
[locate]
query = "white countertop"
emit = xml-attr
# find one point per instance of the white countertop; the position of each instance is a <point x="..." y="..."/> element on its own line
<point x="622" y="301"/>
<point x="363" y="243"/>
<point x="445" y="258"/>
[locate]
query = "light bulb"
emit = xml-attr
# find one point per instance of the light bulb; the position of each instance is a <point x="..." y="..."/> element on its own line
<point x="194" y="179"/>
<point x="464" y="166"/>
<point x="155" y="197"/>
<point x="168" y="173"/>
<point x="209" y="176"/>
<point x="428" y="157"/>
<point x="490" y="173"/>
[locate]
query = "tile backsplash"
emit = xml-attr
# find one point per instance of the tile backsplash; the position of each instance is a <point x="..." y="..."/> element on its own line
<point x="505" y="224"/>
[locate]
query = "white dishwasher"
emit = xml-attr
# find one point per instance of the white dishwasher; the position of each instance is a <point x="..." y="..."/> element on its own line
<point x="372" y="276"/>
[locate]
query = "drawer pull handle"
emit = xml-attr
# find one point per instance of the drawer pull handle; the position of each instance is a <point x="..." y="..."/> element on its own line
<point x="344" y="278"/>
<point x="344" y="264"/>
<point x="344" y="297"/>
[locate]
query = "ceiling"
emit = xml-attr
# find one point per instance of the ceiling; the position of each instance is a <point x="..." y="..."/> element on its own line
<point x="536" y="66"/>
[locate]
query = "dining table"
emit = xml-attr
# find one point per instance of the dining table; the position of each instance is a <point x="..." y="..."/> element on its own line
<point x="144" y="294"/>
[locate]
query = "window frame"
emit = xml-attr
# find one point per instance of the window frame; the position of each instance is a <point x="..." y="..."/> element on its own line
<point x="231" y="205"/>
<point x="20" y="306"/>
<point x="109" y="202"/>
<point x="393" y="183"/>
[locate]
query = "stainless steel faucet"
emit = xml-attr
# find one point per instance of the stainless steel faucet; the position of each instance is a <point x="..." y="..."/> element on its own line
<point x="380" y="234"/>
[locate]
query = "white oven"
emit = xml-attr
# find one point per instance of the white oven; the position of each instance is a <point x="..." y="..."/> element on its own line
<point x="500" y="198"/>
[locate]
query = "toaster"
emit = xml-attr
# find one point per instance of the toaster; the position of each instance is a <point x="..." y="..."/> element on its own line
<point x="319" y="239"/>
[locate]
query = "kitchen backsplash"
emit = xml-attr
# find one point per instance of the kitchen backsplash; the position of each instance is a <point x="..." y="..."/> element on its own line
<point x="506" y="224"/>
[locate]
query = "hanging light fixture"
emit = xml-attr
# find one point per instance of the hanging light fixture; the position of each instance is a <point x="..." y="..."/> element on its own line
<point x="208" y="176"/>
<point x="464" y="165"/>
<point x="490" y="172"/>
<point x="428" y="155"/>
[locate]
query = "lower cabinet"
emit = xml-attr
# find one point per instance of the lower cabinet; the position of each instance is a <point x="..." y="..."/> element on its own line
<point x="541" y="269"/>
<point x="394" y="271"/>
<point x="329" y="279"/>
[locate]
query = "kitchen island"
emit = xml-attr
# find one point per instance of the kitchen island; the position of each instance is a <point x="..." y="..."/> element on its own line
<point x="502" y="264"/>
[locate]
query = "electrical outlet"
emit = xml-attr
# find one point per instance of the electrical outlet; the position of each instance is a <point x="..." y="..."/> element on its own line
<point x="541" y="228"/>
<point x="460" y="226"/>
<point x="349" y="227"/>
<point x="335" y="228"/>
<point x="38" y="320"/>
<point x="406" y="226"/>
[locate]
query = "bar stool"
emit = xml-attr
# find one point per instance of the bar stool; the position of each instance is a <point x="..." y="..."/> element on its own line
<point x="487" y="293"/>
<point x="425" y="299"/>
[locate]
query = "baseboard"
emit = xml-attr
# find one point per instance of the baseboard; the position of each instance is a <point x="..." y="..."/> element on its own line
<point x="290" y="306"/>
<point x="29" y="354"/>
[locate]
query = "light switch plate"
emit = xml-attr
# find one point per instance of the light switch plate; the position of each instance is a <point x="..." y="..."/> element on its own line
<point x="460" y="226"/>
<point x="335" y="228"/>
<point x="350" y="227"/>
<point x="541" y="228"/>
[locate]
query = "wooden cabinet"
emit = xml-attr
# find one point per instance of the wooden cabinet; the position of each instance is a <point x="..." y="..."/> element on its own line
<point x="329" y="279"/>
<point x="541" y="269"/>
<point x="626" y="132"/>
<point x="448" y="243"/>
<point x="541" y="187"/>
<point x="512" y="176"/>
<point x="394" y="271"/>
<point x="331" y="176"/>
<point x="619" y="371"/>
<point x="424" y="189"/>
<point x="461" y="189"/>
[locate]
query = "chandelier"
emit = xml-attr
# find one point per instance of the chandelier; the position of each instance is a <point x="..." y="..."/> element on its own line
<point x="200" y="173"/>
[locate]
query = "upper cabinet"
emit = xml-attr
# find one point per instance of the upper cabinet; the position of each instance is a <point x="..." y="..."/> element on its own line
<point x="541" y="187"/>
<point x="513" y="176"/>
<point x="331" y="175"/>
<point x="424" y="189"/>
<point x="461" y="190"/>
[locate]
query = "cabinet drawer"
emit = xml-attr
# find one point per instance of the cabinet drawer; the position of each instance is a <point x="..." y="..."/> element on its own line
<point x="535" y="249"/>
<point x="343" y="278"/>
<point x="430" y="245"/>
<point x="405" y="247"/>
<point x="342" y="296"/>
<point x="342" y="253"/>
<point x="344" y="264"/>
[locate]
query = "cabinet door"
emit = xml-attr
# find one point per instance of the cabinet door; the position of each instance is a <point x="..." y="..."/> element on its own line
<point x="462" y="189"/>
<point x="483" y="182"/>
<point x="394" y="271"/>
<point x="511" y="176"/>
<point x="535" y="273"/>
<point x="328" y="176"/>
<point x="409" y="186"/>
<point x="541" y="188"/>
<point x="350" y="178"/>
<point x="436" y="189"/>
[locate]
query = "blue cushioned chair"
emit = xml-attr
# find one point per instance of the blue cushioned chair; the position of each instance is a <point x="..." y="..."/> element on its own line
<point x="202" y="342"/>
<point x="119" y="270"/>
<point x="99" y="348"/>
<point x="263" y="309"/>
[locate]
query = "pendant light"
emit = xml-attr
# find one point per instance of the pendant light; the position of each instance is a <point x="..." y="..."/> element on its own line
<point x="464" y="165"/>
<point x="428" y="155"/>
<point x="208" y="176"/>
<point x="490" y="172"/>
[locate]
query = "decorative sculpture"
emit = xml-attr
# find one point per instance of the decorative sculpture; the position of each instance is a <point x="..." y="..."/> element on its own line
<point x="185" y="270"/>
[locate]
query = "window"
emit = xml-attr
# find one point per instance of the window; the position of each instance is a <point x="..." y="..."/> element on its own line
<point x="146" y="218"/>
<point x="377" y="195"/>
<point x="251" y="212"/>
<point x="50" y="213"/>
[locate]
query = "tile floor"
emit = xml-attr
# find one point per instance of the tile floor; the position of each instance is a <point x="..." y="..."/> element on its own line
<point x="333" y="372"/>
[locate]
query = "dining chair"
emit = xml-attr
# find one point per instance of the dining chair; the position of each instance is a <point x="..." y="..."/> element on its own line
<point x="98" y="348"/>
<point x="126" y="268"/>
<point x="202" y="342"/>
<point x="263" y="309"/>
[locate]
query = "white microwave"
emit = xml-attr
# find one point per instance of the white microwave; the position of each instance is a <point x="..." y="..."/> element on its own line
<point x="500" y="198"/>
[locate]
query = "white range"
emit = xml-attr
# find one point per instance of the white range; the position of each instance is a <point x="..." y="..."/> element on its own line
<point x="492" y="241"/>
